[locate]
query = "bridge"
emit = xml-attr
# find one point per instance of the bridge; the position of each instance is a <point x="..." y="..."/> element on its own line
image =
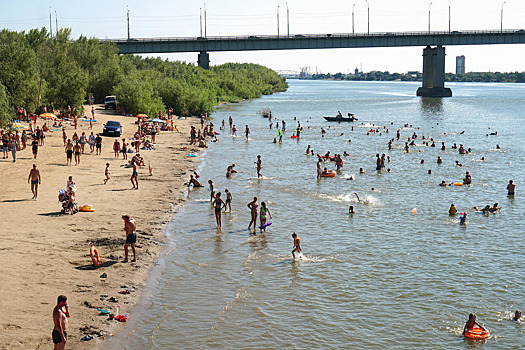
<point x="433" y="53"/>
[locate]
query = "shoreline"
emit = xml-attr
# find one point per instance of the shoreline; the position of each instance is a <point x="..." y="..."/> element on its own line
<point x="51" y="250"/>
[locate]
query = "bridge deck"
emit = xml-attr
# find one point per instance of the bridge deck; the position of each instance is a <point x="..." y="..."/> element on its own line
<point x="317" y="41"/>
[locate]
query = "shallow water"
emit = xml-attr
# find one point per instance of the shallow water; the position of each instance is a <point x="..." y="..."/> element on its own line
<point x="382" y="278"/>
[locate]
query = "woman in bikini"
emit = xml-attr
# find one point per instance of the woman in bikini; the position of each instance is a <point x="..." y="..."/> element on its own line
<point x="218" y="204"/>
<point x="253" y="205"/>
<point x="116" y="147"/>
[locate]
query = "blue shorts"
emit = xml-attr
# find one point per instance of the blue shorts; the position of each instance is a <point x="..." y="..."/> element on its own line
<point x="131" y="239"/>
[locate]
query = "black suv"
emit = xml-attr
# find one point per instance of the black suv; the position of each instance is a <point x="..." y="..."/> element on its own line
<point x="110" y="102"/>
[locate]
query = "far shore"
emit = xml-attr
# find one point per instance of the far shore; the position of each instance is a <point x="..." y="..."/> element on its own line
<point x="45" y="253"/>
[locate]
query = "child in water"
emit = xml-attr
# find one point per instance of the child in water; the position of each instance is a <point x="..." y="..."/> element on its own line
<point x="296" y="244"/>
<point x="471" y="323"/>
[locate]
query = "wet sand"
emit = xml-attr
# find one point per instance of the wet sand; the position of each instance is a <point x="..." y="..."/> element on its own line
<point x="45" y="253"/>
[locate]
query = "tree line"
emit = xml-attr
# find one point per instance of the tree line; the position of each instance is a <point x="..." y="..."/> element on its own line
<point x="38" y="69"/>
<point x="484" y="77"/>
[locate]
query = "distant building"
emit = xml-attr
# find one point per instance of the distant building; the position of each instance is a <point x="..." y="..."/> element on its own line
<point x="460" y="64"/>
<point x="356" y="71"/>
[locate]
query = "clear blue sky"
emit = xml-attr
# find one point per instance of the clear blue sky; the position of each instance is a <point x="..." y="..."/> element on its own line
<point x="161" y="18"/>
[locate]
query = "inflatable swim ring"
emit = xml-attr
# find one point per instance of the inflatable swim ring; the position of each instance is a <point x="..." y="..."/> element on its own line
<point x="94" y="256"/>
<point x="86" y="208"/>
<point x="458" y="184"/>
<point x="477" y="333"/>
<point x="293" y="137"/>
<point x="192" y="155"/>
<point x="330" y="173"/>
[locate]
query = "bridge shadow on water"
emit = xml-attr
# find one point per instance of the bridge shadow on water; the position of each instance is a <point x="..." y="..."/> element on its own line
<point x="431" y="106"/>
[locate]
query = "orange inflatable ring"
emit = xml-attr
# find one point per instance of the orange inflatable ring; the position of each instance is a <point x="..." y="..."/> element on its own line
<point x="94" y="256"/>
<point x="86" y="208"/>
<point x="477" y="333"/>
<point x="330" y="173"/>
<point x="458" y="184"/>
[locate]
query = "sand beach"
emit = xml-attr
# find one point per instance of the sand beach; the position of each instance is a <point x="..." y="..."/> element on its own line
<point x="45" y="253"/>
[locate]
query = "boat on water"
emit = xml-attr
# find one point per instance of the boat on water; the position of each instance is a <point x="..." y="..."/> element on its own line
<point x="340" y="118"/>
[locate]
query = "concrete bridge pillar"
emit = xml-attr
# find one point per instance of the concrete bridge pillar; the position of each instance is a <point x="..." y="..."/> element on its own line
<point x="204" y="60"/>
<point x="434" y="73"/>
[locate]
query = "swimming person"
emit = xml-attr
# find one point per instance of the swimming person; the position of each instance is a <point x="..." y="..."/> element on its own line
<point x="517" y="315"/>
<point x="218" y="204"/>
<point x="296" y="244"/>
<point x="262" y="212"/>
<point x="471" y="323"/>
<point x="253" y="205"/>
<point x="463" y="219"/>
<point x="351" y="210"/>
<point x="452" y="210"/>
<point x="358" y="200"/>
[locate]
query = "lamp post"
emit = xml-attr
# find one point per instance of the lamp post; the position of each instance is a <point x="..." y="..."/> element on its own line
<point x="368" y="5"/>
<point x="287" y="19"/>
<point x="278" y="21"/>
<point x="200" y="19"/>
<point x="502" y="15"/>
<point x="204" y="19"/>
<point x="429" y="17"/>
<point x="449" y="16"/>
<point x="353" y="8"/>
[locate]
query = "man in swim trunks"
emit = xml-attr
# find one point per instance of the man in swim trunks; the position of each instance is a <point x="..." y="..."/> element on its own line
<point x="510" y="188"/>
<point x="130" y="227"/>
<point x="296" y="244"/>
<point x="471" y="323"/>
<point x="228" y="200"/>
<point x="34" y="177"/>
<point x="69" y="151"/>
<point x="60" y="316"/>
<point x="134" y="175"/>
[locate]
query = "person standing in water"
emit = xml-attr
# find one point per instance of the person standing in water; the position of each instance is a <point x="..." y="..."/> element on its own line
<point x="296" y="244"/>
<point x="253" y="205"/>
<point x="247" y="132"/>
<point x="319" y="169"/>
<point x="218" y="205"/>
<point x="510" y="188"/>
<point x="212" y="195"/>
<point x="263" y="214"/>
<point x="228" y="200"/>
<point x="259" y="166"/>
<point x="452" y="210"/>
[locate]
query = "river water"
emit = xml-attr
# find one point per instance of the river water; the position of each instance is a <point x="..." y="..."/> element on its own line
<point x="382" y="278"/>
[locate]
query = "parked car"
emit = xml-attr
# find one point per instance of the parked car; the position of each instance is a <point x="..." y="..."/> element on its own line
<point x="112" y="128"/>
<point x="110" y="102"/>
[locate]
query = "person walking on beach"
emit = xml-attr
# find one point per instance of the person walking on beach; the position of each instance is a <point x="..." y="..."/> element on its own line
<point x="69" y="152"/>
<point x="193" y="135"/>
<point x="218" y="205"/>
<point x="228" y="200"/>
<point x="116" y="148"/>
<point x="34" y="148"/>
<point x="130" y="227"/>
<point x="296" y="244"/>
<point x="98" y="144"/>
<point x="253" y="205"/>
<point x="76" y="149"/>
<point x="510" y="188"/>
<point x="106" y="172"/>
<point x="34" y="177"/>
<point x="92" y="142"/>
<point x="134" y="175"/>
<point x="60" y="316"/>
<point x="259" y="166"/>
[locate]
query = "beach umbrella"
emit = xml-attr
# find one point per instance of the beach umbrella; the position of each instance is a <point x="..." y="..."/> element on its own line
<point x="48" y="116"/>
<point x="156" y="120"/>
<point x="17" y="126"/>
<point x="141" y="116"/>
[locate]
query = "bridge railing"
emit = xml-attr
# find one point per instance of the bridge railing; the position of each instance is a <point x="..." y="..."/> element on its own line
<point x="326" y="35"/>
